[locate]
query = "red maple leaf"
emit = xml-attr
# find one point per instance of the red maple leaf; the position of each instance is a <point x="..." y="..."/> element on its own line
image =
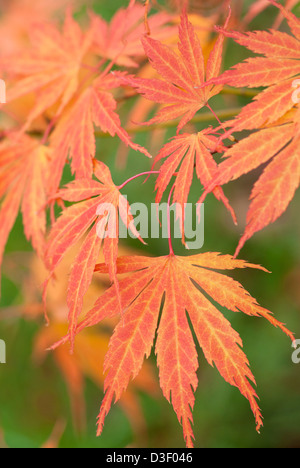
<point x="24" y="175"/>
<point x="74" y="135"/>
<point x="150" y="284"/>
<point x="183" y="74"/>
<point x="189" y="151"/>
<point x="275" y="109"/>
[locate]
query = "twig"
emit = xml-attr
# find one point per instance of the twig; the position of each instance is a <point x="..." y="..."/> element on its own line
<point x="204" y="117"/>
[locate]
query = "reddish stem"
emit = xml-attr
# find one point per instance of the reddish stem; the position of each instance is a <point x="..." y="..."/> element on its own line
<point x="215" y="115"/>
<point x="230" y="137"/>
<point x="146" y="21"/>
<point x="48" y="130"/>
<point x="169" y="221"/>
<point x="136" y="176"/>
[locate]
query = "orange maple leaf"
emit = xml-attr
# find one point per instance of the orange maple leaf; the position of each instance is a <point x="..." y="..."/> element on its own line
<point x="275" y="188"/>
<point x="74" y="133"/>
<point x="187" y="151"/>
<point x="50" y="68"/>
<point x="152" y="283"/>
<point x="19" y="17"/>
<point x="120" y="41"/>
<point x="85" y="217"/>
<point x="184" y="73"/>
<point x="280" y="140"/>
<point x="24" y="174"/>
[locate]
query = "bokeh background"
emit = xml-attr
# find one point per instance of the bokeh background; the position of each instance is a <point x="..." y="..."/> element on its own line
<point x="52" y="399"/>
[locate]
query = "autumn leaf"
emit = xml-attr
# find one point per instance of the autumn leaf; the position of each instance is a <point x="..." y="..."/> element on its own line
<point x="24" y="174"/>
<point x="142" y="108"/>
<point x="18" y="18"/>
<point x="172" y="301"/>
<point x="152" y="284"/>
<point x="276" y="70"/>
<point x="96" y="216"/>
<point x="277" y="144"/>
<point x="119" y="40"/>
<point x="276" y="187"/>
<point x="74" y="134"/>
<point x="183" y="74"/>
<point x="50" y="67"/>
<point x="189" y="151"/>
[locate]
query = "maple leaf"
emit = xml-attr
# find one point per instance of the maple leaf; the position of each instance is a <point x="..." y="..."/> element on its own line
<point x="74" y="133"/>
<point x="180" y="92"/>
<point x="96" y="215"/>
<point x="277" y="70"/>
<point x="189" y="151"/>
<point x="119" y="40"/>
<point x="280" y="142"/>
<point x="154" y="283"/>
<point x="142" y="108"/>
<point x="275" y="188"/>
<point x="50" y="69"/>
<point x="23" y="183"/>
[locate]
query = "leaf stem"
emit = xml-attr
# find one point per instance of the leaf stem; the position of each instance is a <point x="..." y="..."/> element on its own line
<point x="200" y="118"/>
<point x="136" y="176"/>
<point x="204" y="117"/>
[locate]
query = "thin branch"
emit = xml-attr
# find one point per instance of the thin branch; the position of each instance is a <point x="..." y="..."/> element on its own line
<point x="200" y="118"/>
<point x="147" y="27"/>
<point x="248" y="93"/>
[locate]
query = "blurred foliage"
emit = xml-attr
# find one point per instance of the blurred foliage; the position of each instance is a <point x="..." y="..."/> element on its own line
<point x="35" y="408"/>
